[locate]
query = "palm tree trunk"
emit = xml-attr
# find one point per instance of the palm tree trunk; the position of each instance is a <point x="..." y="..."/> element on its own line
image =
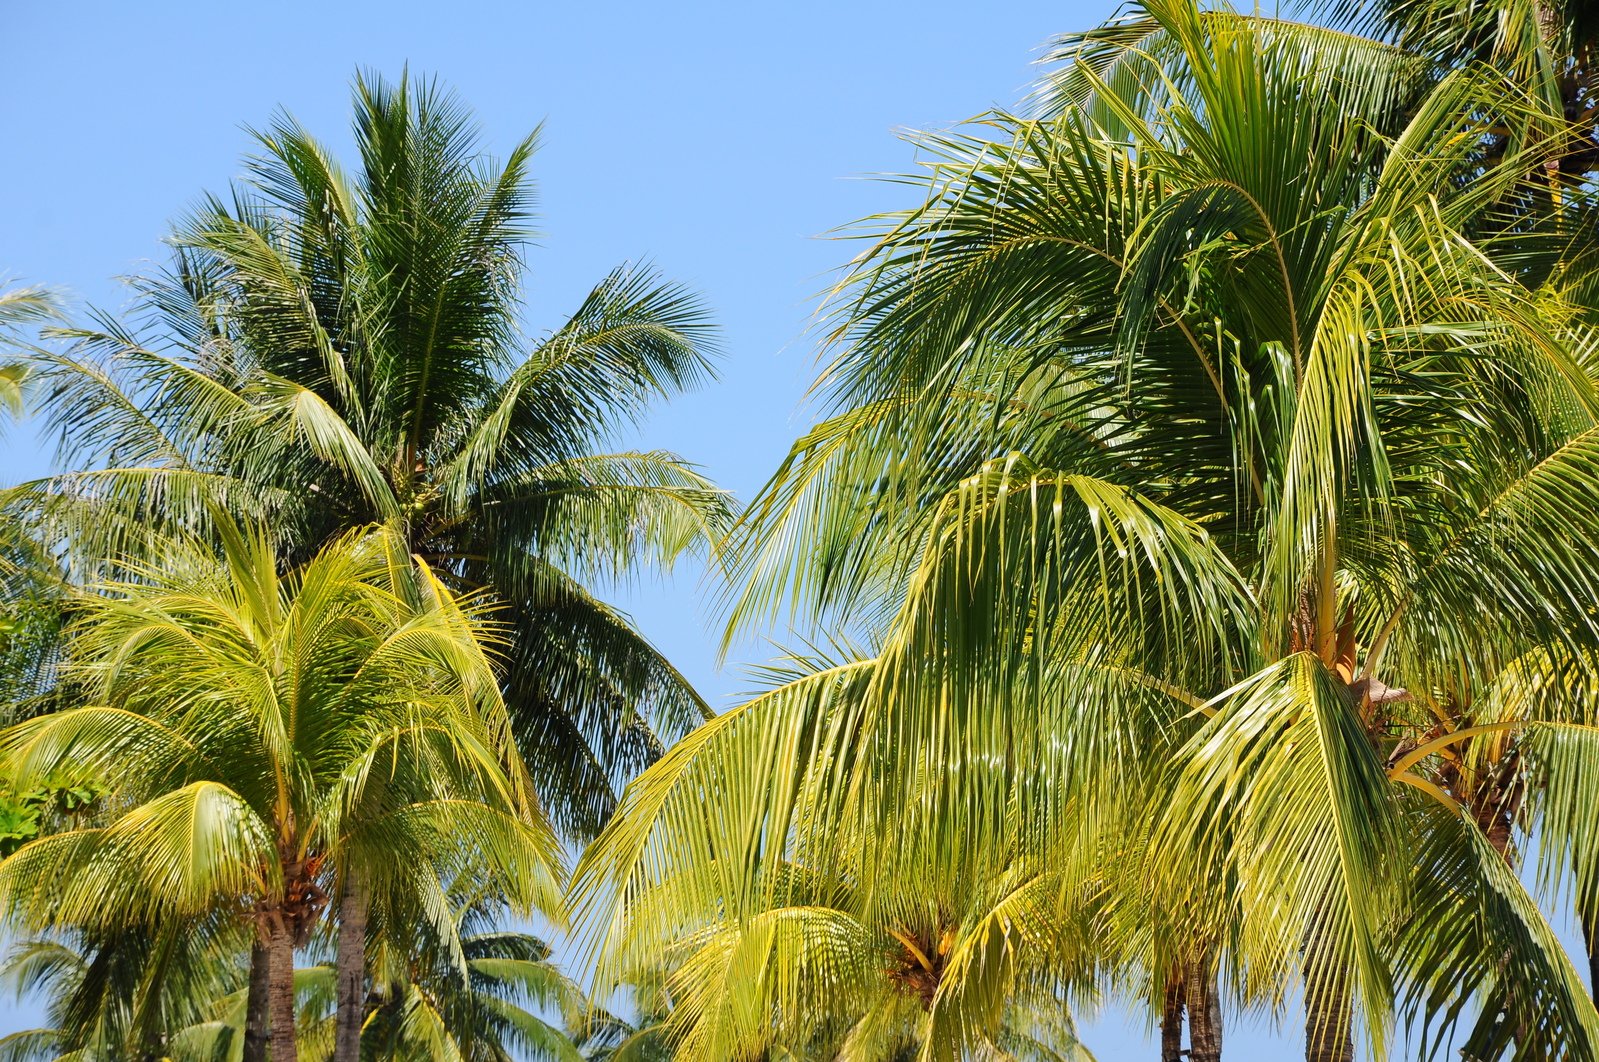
<point x="256" y="1014"/>
<point x="280" y="988"/>
<point x="1329" y="1017"/>
<point x="1171" y="1023"/>
<point x="350" y="973"/>
<point x="1204" y="1017"/>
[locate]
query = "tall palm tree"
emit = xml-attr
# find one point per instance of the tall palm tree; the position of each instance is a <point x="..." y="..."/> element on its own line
<point x="1201" y="456"/>
<point x="266" y="739"/>
<point x="1502" y="758"/>
<point x="334" y="347"/>
<point x="466" y="988"/>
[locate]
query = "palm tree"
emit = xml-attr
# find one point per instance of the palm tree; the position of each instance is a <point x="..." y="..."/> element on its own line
<point x="1501" y="760"/>
<point x="1201" y="456"/>
<point x="334" y="348"/>
<point x="875" y="980"/>
<point x="464" y="987"/>
<point x="268" y="738"/>
<point x="851" y="960"/>
<point x="126" y="993"/>
<point x="491" y="1014"/>
<point x="184" y="995"/>
<point x="1496" y="751"/>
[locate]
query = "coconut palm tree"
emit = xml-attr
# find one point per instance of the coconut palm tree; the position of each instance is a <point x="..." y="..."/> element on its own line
<point x="333" y="348"/>
<point x="464" y="988"/>
<point x="844" y="977"/>
<point x="127" y="993"/>
<point x="183" y="995"/>
<point x="862" y="959"/>
<point x="1201" y="456"/>
<point x="267" y="740"/>
<point x="491" y="1014"/>
<point x="1548" y="48"/>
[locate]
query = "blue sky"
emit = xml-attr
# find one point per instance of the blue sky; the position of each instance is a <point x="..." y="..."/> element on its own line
<point x="720" y="140"/>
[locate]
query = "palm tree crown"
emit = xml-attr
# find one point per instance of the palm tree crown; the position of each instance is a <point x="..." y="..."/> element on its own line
<point x="268" y="741"/>
<point x="1204" y="456"/>
<point x="333" y="349"/>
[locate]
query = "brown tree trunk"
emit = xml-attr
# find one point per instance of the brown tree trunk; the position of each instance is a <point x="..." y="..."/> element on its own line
<point x="256" y="1015"/>
<point x="1329" y="1017"/>
<point x="1204" y="1017"/>
<point x="1171" y="1022"/>
<point x="350" y="969"/>
<point x="280" y="987"/>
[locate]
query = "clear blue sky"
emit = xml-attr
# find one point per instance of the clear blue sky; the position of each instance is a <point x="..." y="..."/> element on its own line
<point x="721" y="140"/>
